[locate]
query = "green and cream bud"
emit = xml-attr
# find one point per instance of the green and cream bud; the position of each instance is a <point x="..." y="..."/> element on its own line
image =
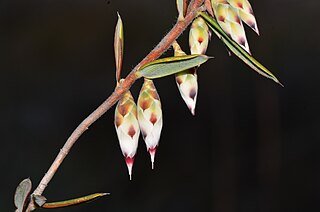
<point x="150" y="117"/>
<point x="127" y="127"/>
<point x="187" y="82"/>
<point x="229" y="20"/>
<point x="199" y="36"/>
<point x="245" y="12"/>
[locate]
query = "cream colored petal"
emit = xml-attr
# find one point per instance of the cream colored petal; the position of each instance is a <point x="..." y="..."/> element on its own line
<point x="189" y="91"/>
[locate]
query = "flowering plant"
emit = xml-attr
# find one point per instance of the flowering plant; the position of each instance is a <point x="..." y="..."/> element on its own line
<point x="223" y="18"/>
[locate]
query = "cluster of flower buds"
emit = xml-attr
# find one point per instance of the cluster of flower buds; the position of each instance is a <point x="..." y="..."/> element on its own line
<point x="146" y="116"/>
<point x="230" y="14"/>
<point x="187" y="81"/>
<point x="130" y="118"/>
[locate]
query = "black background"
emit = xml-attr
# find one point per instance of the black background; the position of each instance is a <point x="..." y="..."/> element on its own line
<point x="252" y="146"/>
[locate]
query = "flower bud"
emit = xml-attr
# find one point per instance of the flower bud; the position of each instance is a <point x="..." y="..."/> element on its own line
<point x="228" y="18"/>
<point x="182" y="8"/>
<point x="245" y="13"/>
<point x="127" y="127"/>
<point x="187" y="82"/>
<point x="199" y="36"/>
<point x="118" y="47"/>
<point x="150" y="117"/>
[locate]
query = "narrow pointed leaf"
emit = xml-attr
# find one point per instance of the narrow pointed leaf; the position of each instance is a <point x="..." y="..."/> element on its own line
<point x="118" y="47"/>
<point x="22" y="194"/>
<point x="67" y="203"/>
<point x="171" y="65"/>
<point x="237" y="50"/>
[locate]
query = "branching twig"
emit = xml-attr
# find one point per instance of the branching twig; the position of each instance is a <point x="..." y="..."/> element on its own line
<point x="194" y="8"/>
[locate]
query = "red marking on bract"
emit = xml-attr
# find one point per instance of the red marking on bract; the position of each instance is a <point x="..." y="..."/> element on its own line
<point x="221" y="18"/>
<point x="192" y="71"/>
<point x="200" y="40"/>
<point x="242" y="41"/>
<point x="250" y="11"/>
<point x="131" y="131"/>
<point x="179" y="81"/>
<point x="193" y="93"/>
<point x="252" y="24"/>
<point x="129" y="161"/>
<point x="118" y="121"/>
<point x="153" y="118"/>
<point x="240" y="5"/>
<point x="144" y="104"/>
<point x="123" y="110"/>
<point x="238" y="20"/>
<point x="144" y="134"/>
<point x="152" y="150"/>
<point x="154" y="94"/>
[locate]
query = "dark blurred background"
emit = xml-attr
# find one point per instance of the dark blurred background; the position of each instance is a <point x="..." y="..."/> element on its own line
<point x="252" y="146"/>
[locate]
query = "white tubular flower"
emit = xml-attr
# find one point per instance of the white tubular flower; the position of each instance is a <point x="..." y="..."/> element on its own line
<point x="228" y="17"/>
<point x="245" y="13"/>
<point x="187" y="82"/>
<point x="127" y="127"/>
<point x="150" y="117"/>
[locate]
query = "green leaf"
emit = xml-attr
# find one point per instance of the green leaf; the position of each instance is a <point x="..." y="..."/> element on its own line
<point x="72" y="202"/>
<point x="170" y="65"/>
<point x="237" y="50"/>
<point x="22" y="194"/>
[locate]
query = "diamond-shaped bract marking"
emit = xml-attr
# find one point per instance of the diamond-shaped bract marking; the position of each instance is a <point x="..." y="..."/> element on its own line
<point x="245" y="13"/>
<point x="150" y="117"/>
<point x="229" y="20"/>
<point x="187" y="82"/>
<point x="127" y="127"/>
<point x="199" y="36"/>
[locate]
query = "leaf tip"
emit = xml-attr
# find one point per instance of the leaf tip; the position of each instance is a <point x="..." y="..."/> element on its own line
<point x="279" y="83"/>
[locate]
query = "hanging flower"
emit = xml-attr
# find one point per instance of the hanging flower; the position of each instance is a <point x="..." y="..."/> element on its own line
<point x="187" y="82"/>
<point x="127" y="127"/>
<point x="230" y="14"/>
<point x="229" y="20"/>
<point x="199" y="36"/>
<point x="245" y="13"/>
<point x="150" y="117"/>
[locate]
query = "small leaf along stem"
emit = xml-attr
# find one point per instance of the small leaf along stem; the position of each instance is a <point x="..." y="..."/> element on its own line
<point x="194" y="8"/>
<point x="72" y="202"/>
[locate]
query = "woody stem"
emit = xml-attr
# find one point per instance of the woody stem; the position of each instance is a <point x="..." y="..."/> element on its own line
<point x="195" y="7"/>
